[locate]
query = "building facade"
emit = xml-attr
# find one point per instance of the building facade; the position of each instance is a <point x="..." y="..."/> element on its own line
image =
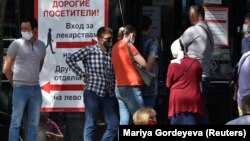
<point x="169" y="21"/>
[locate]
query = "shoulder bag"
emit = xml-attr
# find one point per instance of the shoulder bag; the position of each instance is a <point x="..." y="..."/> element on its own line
<point x="185" y="70"/>
<point x="146" y="76"/>
<point x="210" y="40"/>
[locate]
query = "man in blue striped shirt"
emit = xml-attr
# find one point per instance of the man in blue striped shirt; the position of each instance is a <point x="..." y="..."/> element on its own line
<point x="100" y="81"/>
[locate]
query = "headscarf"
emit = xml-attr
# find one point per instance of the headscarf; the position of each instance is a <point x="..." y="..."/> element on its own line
<point x="177" y="53"/>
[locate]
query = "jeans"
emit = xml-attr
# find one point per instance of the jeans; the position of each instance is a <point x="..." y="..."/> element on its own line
<point x="205" y="89"/>
<point x="31" y="98"/>
<point x="150" y="94"/>
<point x="150" y="100"/>
<point x="109" y="107"/>
<point x="129" y="99"/>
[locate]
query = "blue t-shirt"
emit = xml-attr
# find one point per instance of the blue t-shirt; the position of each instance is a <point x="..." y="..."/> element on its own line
<point x="245" y="44"/>
<point x="150" y="47"/>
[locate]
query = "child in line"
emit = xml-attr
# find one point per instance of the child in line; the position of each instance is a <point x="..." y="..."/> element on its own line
<point x="145" y="116"/>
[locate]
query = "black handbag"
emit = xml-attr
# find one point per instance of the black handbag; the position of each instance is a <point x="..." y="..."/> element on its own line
<point x="146" y="76"/>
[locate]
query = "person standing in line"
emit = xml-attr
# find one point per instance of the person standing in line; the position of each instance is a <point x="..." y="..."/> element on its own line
<point x="198" y="43"/>
<point x="128" y="81"/>
<point x="244" y="119"/>
<point x="183" y="79"/>
<point x="245" y="43"/>
<point x="243" y="80"/>
<point x="245" y="47"/>
<point x="26" y="55"/>
<point x="99" y="93"/>
<point x="150" y="52"/>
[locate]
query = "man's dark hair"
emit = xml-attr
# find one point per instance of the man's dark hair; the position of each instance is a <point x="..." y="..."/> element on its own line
<point x="32" y="21"/>
<point x="199" y="10"/>
<point x="103" y="30"/>
<point x="247" y="16"/>
<point x="146" y="23"/>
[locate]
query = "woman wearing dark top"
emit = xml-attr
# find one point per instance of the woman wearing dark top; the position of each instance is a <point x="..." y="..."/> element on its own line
<point x="183" y="78"/>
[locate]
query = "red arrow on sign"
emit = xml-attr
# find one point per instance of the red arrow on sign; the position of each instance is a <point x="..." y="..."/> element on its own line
<point x="65" y="87"/>
<point x="75" y="44"/>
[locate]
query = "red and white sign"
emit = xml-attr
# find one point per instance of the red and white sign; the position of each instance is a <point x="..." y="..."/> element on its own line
<point x="217" y="19"/>
<point x="66" y="26"/>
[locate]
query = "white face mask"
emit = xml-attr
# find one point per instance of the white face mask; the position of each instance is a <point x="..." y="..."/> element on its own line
<point x="132" y="40"/>
<point x="245" y="28"/>
<point x="27" y="35"/>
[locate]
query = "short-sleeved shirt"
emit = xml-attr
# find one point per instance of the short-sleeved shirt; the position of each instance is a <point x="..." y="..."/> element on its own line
<point x="150" y="48"/>
<point x="245" y="44"/>
<point x="243" y="80"/>
<point x="28" y="56"/>
<point x="125" y="72"/>
<point x="198" y="45"/>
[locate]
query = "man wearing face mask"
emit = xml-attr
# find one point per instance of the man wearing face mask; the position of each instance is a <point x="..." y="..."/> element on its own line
<point x="99" y="77"/>
<point x="26" y="55"/>
<point x="245" y="43"/>
<point x="245" y="47"/>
